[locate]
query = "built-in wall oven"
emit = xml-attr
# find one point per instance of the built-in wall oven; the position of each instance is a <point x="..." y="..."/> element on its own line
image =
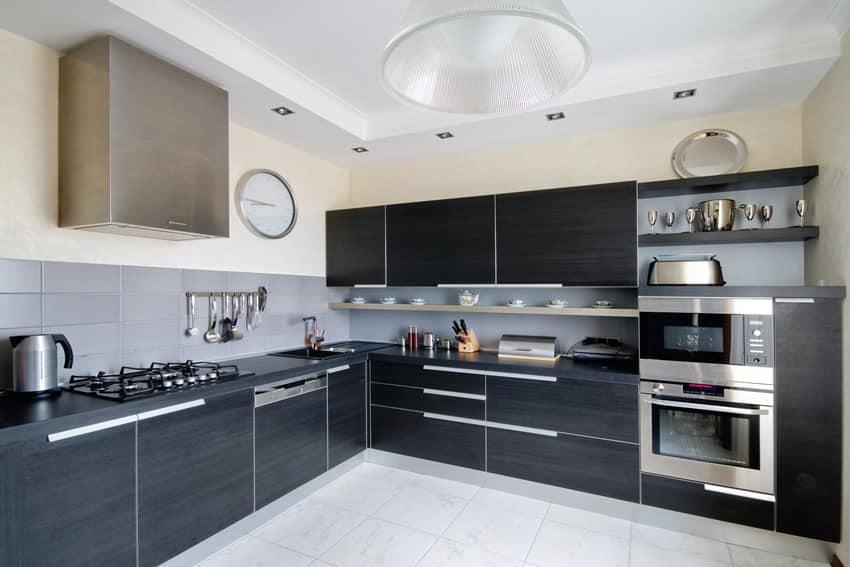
<point x="706" y="407"/>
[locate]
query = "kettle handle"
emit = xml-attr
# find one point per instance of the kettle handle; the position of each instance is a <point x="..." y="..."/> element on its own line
<point x="66" y="346"/>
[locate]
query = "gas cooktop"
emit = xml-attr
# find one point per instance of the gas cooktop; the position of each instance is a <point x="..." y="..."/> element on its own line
<point x="160" y="377"/>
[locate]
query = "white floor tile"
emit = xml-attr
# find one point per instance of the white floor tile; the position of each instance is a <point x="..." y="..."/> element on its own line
<point x="422" y="510"/>
<point x="444" y="486"/>
<point x="511" y="502"/>
<point x="254" y="552"/>
<point x="592" y="521"/>
<point x="684" y="543"/>
<point x="447" y="553"/>
<point x="357" y="492"/>
<point x="375" y="543"/>
<point x="559" y="545"/>
<point x="500" y="531"/>
<point x="746" y="557"/>
<point x="319" y="563"/>
<point x="374" y="470"/>
<point x="310" y="527"/>
<point x="645" y="555"/>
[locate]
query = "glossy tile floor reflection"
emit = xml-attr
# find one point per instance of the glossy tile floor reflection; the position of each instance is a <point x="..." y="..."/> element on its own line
<point x="379" y="516"/>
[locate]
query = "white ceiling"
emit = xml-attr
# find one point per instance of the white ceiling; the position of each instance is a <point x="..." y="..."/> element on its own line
<point x="320" y="58"/>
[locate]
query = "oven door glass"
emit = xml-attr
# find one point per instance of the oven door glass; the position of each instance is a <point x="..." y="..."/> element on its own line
<point x="692" y="337"/>
<point x="705" y="435"/>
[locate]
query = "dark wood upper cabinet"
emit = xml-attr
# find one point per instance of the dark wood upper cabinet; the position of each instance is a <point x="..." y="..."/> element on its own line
<point x="355" y="252"/>
<point x="441" y="242"/>
<point x="578" y="236"/>
<point x="808" y="418"/>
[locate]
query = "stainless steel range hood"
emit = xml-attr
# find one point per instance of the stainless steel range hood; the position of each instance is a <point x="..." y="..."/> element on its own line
<point x="143" y="146"/>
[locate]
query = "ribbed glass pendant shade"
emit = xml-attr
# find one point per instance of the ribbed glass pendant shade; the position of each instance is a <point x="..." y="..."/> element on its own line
<point x="480" y="56"/>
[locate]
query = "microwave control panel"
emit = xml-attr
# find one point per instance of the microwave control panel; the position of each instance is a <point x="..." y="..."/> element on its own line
<point x="758" y="337"/>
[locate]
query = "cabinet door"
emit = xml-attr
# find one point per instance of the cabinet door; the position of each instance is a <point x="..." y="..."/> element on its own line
<point x="416" y="434"/>
<point x="346" y="413"/>
<point x="808" y="418"/>
<point x="291" y="444"/>
<point x="441" y="242"/>
<point x="584" y="407"/>
<point x="607" y="468"/>
<point x="76" y="500"/>
<point x="580" y="236"/>
<point x="355" y="247"/>
<point x="195" y="465"/>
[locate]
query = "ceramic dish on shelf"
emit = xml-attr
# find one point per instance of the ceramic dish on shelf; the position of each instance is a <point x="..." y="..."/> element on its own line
<point x="603" y="304"/>
<point x="357" y="300"/>
<point x="388" y="301"/>
<point x="416" y="301"/>
<point x="516" y="303"/>
<point x="468" y="298"/>
<point x="557" y="303"/>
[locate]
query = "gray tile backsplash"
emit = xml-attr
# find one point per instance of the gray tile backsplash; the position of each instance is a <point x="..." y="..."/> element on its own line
<point x="133" y="315"/>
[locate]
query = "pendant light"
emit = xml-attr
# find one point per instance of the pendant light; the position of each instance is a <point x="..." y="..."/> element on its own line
<point x="483" y="56"/>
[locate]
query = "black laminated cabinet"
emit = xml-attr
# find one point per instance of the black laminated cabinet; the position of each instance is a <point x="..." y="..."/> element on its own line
<point x="346" y="413"/>
<point x="74" y="501"/>
<point x="576" y="236"/>
<point x="355" y="247"/>
<point x="808" y="417"/>
<point x="441" y="242"/>
<point x="195" y="472"/>
<point x="291" y="441"/>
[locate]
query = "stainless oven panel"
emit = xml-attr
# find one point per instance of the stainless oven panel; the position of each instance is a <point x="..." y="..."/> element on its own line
<point x="759" y="479"/>
<point x="754" y="377"/>
<point x="712" y="305"/>
<point x="730" y="395"/>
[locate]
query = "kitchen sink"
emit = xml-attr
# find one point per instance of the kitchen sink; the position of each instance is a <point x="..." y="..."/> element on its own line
<point x="330" y="351"/>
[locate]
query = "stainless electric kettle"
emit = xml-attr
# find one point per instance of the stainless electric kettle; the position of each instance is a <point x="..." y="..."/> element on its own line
<point x="35" y="363"/>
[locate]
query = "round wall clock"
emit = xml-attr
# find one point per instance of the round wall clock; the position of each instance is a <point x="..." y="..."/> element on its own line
<point x="266" y="204"/>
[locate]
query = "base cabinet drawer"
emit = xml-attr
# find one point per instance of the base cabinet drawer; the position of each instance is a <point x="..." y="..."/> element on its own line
<point x="607" y="468"/>
<point x="693" y="498"/>
<point x="290" y="444"/>
<point x="427" y="400"/>
<point x="584" y="407"/>
<point x="421" y="377"/>
<point x="412" y="433"/>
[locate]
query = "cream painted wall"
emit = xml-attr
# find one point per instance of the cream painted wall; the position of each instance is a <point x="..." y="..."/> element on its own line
<point x="29" y="201"/>
<point x="772" y="135"/>
<point x="826" y="141"/>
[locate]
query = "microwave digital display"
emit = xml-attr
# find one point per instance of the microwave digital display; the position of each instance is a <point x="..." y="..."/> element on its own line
<point x="693" y="339"/>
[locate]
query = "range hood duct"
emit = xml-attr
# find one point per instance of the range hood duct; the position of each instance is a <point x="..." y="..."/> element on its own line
<point x="143" y="146"/>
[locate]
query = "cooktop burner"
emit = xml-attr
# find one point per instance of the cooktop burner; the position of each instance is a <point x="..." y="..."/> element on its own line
<point x="160" y="377"/>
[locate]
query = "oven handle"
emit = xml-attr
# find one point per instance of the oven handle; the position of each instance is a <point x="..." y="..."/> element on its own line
<point x="706" y="407"/>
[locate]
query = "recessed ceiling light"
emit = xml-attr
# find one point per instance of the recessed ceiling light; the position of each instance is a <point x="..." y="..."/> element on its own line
<point x="445" y="135"/>
<point x="282" y="110"/>
<point x="687" y="93"/>
<point x="360" y="149"/>
<point x="555" y="116"/>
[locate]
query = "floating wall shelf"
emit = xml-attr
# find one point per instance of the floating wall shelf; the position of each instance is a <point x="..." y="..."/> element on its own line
<point x="497" y="309"/>
<point x="766" y="179"/>
<point x="790" y="234"/>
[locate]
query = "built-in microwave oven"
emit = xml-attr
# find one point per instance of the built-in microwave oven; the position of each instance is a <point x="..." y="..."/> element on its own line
<point x="712" y="340"/>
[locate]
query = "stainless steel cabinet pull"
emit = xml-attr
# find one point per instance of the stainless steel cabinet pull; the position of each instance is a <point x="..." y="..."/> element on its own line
<point x="738" y="492"/>
<point x="522" y="429"/>
<point x="493" y="373"/>
<point x="707" y="407"/>
<point x="450" y="394"/>
<point x="85" y="430"/>
<point x="264" y="397"/>
<point x="171" y="409"/>
<point x="442" y="417"/>
<point x="795" y="300"/>
<point x="373" y="286"/>
<point x="339" y="369"/>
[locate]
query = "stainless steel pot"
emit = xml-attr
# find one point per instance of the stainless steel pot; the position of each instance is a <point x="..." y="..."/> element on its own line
<point x="717" y="214"/>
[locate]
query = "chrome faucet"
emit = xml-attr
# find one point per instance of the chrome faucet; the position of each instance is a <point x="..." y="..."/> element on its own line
<point x="313" y="337"/>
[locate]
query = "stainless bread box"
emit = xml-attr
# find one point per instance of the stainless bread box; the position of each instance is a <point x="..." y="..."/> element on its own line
<point x="527" y="346"/>
<point x="697" y="269"/>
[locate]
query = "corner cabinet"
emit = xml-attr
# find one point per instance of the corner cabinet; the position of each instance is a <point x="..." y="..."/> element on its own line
<point x="577" y="236"/>
<point x="441" y="242"/>
<point x="355" y="247"/>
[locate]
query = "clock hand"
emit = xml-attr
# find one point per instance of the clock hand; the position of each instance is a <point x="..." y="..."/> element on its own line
<point x="261" y="203"/>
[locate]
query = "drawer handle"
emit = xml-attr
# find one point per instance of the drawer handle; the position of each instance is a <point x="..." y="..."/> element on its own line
<point x="795" y="300"/>
<point x="85" y="430"/>
<point x="171" y="409"/>
<point x="738" y="492"/>
<point x="466" y="420"/>
<point x="339" y="369"/>
<point x="450" y="394"/>
<point x="370" y="286"/>
<point x="521" y="429"/>
<point x="493" y="373"/>
<point x="264" y="398"/>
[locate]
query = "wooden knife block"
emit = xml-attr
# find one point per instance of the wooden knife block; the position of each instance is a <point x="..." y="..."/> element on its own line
<point x="471" y="344"/>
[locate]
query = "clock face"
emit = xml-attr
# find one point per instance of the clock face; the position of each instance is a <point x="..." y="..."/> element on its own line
<point x="266" y="204"/>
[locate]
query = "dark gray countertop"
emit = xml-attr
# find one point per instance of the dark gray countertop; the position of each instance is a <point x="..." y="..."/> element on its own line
<point x="815" y="292"/>
<point x="24" y="418"/>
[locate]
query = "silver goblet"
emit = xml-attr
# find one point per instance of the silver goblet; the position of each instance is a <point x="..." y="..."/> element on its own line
<point x="669" y="220"/>
<point x="653" y="218"/>
<point x="691" y="216"/>
<point x="766" y="213"/>
<point x="749" y="212"/>
<point x="802" y="207"/>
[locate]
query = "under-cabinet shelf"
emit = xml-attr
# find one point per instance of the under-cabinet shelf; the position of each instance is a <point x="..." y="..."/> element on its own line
<point x="755" y="235"/>
<point x="493" y="309"/>
<point x="766" y="179"/>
